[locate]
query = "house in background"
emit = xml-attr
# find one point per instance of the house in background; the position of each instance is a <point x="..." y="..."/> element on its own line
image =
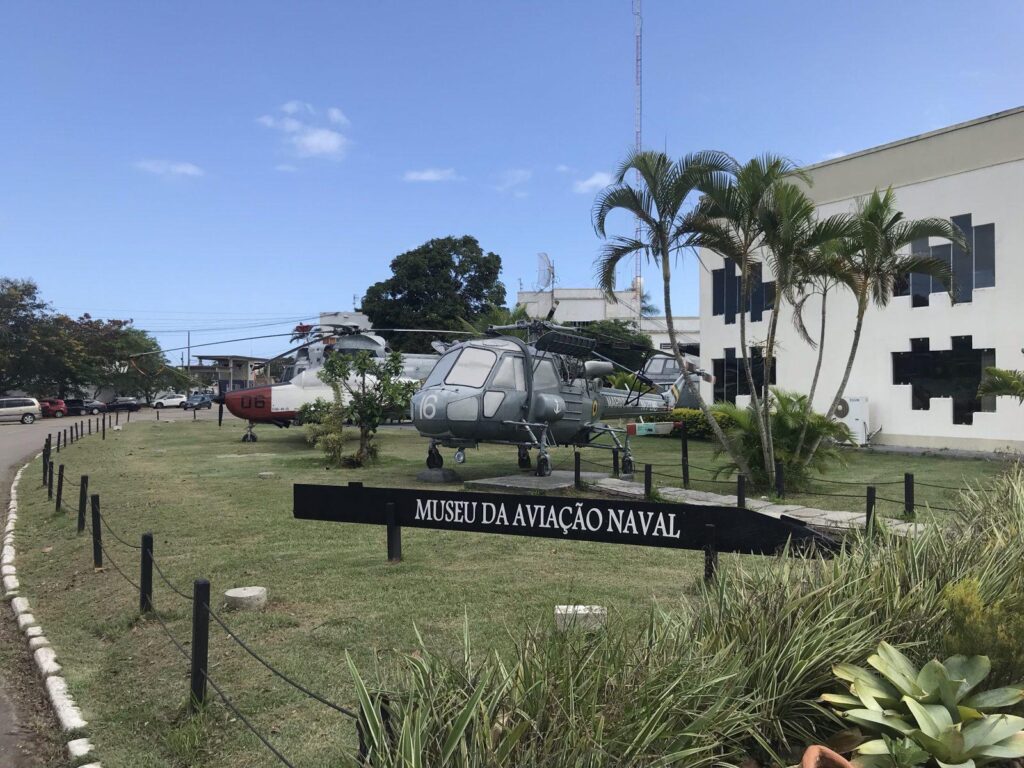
<point x="229" y="372"/>
<point x="921" y="358"/>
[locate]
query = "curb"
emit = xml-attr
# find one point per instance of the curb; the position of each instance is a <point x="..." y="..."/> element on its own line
<point x="69" y="716"/>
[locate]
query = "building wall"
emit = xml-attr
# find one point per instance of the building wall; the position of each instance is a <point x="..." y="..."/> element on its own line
<point x="983" y="177"/>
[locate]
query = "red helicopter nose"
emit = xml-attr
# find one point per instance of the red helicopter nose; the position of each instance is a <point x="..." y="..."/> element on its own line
<point x="251" y="404"/>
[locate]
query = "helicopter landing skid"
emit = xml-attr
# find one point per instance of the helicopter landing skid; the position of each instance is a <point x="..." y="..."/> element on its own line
<point x="250" y="435"/>
<point x="624" y="447"/>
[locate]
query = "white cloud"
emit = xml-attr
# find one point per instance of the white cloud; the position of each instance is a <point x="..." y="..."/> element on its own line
<point x="432" y="174"/>
<point x="836" y="154"/>
<point x="169" y="168"/>
<point x="563" y="168"/>
<point x="596" y="181"/>
<point x="303" y="136"/>
<point x="513" y="177"/>
<point x="285" y="168"/>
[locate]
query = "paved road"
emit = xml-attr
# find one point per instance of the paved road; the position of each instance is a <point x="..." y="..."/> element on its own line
<point x="26" y="727"/>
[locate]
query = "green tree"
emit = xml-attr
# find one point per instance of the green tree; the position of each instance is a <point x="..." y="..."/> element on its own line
<point x="22" y="314"/>
<point x="437" y="285"/>
<point x="367" y="390"/>
<point x="659" y="203"/>
<point x="876" y="261"/>
<point x="1000" y="382"/>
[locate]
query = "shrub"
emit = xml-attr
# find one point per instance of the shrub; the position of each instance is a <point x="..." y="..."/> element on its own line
<point x="737" y="671"/>
<point x="697" y="427"/>
<point x="313" y="413"/>
<point x="994" y="627"/>
<point x="788" y="415"/>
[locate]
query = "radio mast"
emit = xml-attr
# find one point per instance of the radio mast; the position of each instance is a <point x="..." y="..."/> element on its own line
<point x="638" y="105"/>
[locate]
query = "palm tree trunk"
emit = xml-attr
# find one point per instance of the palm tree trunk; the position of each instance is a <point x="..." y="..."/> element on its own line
<point x="814" y="379"/>
<point x="861" y="309"/>
<point x="755" y="399"/>
<point x="736" y="456"/>
<point x="766" y="376"/>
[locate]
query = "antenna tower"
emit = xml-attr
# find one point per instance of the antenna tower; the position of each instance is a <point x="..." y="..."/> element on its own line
<point x="638" y="104"/>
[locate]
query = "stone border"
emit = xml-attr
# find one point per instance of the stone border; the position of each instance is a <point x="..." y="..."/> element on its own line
<point x="69" y="716"/>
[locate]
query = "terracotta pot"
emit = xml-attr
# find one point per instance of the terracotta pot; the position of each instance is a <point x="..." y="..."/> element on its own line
<point x="823" y="757"/>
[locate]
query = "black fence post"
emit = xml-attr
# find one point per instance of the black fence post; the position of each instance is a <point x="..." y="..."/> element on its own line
<point x="49" y="482"/>
<point x="615" y="462"/>
<point x="158" y="413"/>
<point x="89" y="422"/>
<point x="146" y="574"/>
<point x="60" y="488"/>
<point x="394" y="534"/>
<point x="65" y="437"/>
<point x="710" y="554"/>
<point x="908" y="494"/>
<point x="869" y="516"/>
<point x="741" y="491"/>
<point x="780" y="480"/>
<point x="97" y="533"/>
<point x="200" y="644"/>
<point x="46" y="457"/>
<point x="684" y="440"/>
<point x="648" y="481"/>
<point x="194" y="412"/>
<point x="576" y="471"/>
<point x="58" y="441"/>
<point x="104" y="427"/>
<point x="128" y="417"/>
<point x="83" y="495"/>
<point x="117" y="417"/>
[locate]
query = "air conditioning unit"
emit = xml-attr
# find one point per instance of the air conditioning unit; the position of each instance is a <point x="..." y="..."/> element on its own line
<point x="853" y="412"/>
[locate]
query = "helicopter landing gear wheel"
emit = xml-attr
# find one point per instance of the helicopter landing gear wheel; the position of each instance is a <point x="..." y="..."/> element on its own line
<point x="524" y="458"/>
<point x="627" y="465"/>
<point x="249" y="436"/>
<point x="460" y="456"/>
<point x="434" y="458"/>
<point x="543" y="465"/>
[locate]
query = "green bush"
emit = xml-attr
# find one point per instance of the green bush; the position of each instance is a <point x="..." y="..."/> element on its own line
<point x="994" y="627"/>
<point x="735" y="672"/>
<point x="313" y="413"/>
<point x="789" y="414"/>
<point x="697" y="427"/>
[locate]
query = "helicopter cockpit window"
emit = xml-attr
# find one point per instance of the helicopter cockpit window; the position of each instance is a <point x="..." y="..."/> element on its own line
<point x="441" y="369"/>
<point x="655" y="365"/>
<point x="472" y="368"/>
<point x="544" y="376"/>
<point x="511" y="374"/>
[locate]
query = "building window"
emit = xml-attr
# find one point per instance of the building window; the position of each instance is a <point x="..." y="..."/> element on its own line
<point x="725" y="293"/>
<point x="686" y="349"/>
<point x="731" y="374"/>
<point x="954" y="373"/>
<point x="971" y="269"/>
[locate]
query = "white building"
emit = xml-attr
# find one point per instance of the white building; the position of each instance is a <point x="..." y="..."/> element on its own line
<point x="579" y="306"/>
<point x="920" y="358"/>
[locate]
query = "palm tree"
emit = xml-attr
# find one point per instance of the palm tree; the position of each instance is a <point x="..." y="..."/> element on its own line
<point x="1001" y="382"/>
<point x="875" y="264"/>
<point x="737" y="217"/>
<point x="665" y="228"/>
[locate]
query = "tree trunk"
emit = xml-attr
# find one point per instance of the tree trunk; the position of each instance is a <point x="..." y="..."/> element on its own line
<point x="814" y="380"/>
<point x="666" y="275"/>
<point x="861" y="309"/>
<point x="768" y="361"/>
<point x="755" y="399"/>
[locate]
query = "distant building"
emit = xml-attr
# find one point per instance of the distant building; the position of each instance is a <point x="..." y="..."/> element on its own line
<point x="921" y="358"/>
<point x="229" y="372"/>
<point x="580" y="306"/>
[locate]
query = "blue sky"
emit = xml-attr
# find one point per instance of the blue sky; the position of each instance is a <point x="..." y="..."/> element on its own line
<point x="206" y="165"/>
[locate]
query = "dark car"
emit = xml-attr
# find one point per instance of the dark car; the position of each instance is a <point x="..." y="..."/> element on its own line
<point x="53" y="406"/>
<point x="84" y="407"/>
<point x="199" y="401"/>
<point x="124" y="404"/>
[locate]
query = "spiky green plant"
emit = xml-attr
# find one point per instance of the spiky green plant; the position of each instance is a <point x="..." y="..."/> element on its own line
<point x="937" y="707"/>
<point x="1001" y="382"/>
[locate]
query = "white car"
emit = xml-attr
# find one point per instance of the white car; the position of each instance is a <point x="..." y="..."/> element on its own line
<point x="170" y="401"/>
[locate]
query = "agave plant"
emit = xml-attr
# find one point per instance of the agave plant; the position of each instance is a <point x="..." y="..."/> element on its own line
<point x="936" y="708"/>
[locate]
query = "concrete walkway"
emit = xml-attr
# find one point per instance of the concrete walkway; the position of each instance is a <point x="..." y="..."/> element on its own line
<point x="824" y="519"/>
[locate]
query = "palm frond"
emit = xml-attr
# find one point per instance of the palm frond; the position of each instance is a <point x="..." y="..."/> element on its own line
<point x="613" y="252"/>
<point x="638" y="202"/>
<point x="1000" y="382"/>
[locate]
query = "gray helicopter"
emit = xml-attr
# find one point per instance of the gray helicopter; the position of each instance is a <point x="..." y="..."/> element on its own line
<point x="534" y="394"/>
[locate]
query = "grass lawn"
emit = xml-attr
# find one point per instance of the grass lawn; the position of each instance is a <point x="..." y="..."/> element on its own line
<point x="331" y="590"/>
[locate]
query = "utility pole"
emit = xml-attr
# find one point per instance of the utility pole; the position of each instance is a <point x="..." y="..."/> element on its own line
<point x="188" y="364"/>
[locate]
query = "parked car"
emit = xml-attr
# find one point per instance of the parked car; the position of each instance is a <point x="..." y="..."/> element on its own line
<point x="199" y="401"/>
<point x="23" y="409"/>
<point x="78" y="407"/>
<point x="170" y="401"/>
<point x="54" y="407"/>
<point x="124" y="404"/>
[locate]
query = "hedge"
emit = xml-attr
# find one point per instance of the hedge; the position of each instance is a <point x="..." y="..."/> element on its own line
<point x="697" y="427"/>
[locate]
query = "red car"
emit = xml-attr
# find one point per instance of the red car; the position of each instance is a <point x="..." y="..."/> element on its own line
<point x="54" y="407"/>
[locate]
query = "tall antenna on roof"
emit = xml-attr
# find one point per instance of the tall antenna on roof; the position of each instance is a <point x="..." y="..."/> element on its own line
<point x="638" y="105"/>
